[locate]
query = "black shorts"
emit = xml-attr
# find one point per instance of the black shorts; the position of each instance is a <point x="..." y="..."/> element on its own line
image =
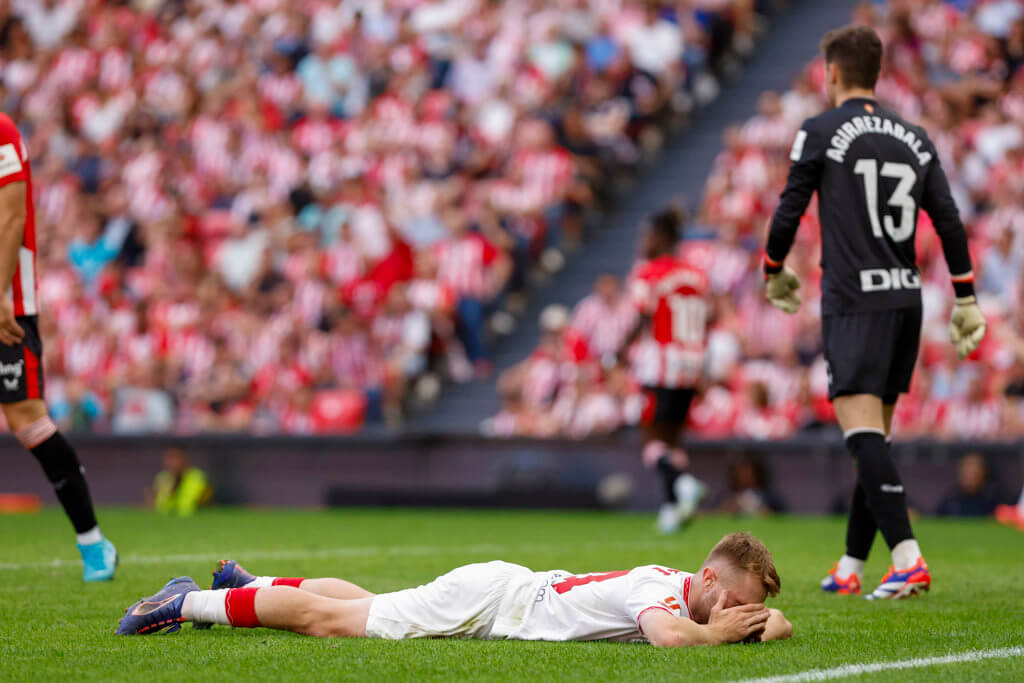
<point x="871" y="353"/>
<point x="666" y="406"/>
<point x="21" y="366"/>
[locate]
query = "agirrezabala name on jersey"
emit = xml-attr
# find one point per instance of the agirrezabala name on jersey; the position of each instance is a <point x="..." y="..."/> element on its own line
<point x="859" y="125"/>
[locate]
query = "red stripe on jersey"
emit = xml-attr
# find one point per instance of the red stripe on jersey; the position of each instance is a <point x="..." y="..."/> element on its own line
<point x="686" y="593"/>
<point x="32" y="374"/>
<point x="16" y="294"/>
<point x="567" y="584"/>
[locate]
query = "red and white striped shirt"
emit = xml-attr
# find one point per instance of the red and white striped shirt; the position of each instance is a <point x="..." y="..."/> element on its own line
<point x="674" y="293"/>
<point x="604" y="326"/>
<point x="71" y="68"/>
<point x="284" y="90"/>
<point x="115" y="69"/>
<point x="462" y="265"/>
<point x="15" y="167"/>
<point x="314" y="136"/>
<point x="549" y="172"/>
<point x="342" y="264"/>
<point x="351" y="360"/>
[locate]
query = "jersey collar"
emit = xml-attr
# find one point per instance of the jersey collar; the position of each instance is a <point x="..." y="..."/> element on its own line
<point x="860" y="100"/>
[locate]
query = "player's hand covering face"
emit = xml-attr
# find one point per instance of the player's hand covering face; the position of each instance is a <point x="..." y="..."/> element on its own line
<point x="737" y="622"/>
<point x="781" y="290"/>
<point x="966" y="326"/>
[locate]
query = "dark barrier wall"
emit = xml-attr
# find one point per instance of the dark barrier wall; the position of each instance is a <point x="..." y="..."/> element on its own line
<point x="811" y="474"/>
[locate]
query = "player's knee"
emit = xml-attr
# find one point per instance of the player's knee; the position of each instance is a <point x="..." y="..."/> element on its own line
<point x="24" y="413"/>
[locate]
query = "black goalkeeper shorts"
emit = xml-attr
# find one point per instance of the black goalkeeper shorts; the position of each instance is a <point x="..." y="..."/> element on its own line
<point x="21" y="365"/>
<point x="871" y="353"/>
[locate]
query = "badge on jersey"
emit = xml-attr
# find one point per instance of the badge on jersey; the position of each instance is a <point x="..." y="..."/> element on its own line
<point x="797" y="150"/>
<point x="9" y="161"/>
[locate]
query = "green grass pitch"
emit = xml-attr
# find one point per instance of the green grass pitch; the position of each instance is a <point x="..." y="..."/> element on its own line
<point x="53" y="627"/>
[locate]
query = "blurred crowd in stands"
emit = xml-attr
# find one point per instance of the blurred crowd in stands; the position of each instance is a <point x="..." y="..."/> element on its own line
<point x="291" y="216"/>
<point x="955" y="67"/>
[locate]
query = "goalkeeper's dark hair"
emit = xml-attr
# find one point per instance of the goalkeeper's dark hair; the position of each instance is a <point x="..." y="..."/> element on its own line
<point x="857" y="51"/>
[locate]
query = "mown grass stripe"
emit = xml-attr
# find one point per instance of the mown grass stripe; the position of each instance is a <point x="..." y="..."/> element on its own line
<point x="355" y="551"/>
<point x="848" y="670"/>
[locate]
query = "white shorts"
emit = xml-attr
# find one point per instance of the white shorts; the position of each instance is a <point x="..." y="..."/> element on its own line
<point x="466" y="602"/>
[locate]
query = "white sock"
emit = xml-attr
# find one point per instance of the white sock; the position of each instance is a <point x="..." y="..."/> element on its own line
<point x="849" y="565"/>
<point x="905" y="554"/>
<point x="89" y="537"/>
<point x="261" y="582"/>
<point x="209" y="607"/>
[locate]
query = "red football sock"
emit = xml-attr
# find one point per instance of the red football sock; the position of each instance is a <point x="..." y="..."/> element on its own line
<point x="240" y="604"/>
<point x="294" y="582"/>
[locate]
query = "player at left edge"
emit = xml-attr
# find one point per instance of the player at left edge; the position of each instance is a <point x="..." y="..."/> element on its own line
<point x="21" y="353"/>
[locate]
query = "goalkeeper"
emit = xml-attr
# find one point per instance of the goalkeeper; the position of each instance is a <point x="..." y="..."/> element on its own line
<point x="872" y="172"/>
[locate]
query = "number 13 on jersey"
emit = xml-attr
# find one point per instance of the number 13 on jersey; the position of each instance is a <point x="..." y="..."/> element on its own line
<point x="900" y="198"/>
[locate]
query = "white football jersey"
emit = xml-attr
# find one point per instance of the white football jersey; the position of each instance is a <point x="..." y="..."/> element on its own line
<point x="557" y="605"/>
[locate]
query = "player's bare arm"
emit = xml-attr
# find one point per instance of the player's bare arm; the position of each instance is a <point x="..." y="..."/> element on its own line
<point x="12" y="227"/>
<point x="726" y="625"/>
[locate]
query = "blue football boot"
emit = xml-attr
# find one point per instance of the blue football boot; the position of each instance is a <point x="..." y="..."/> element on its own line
<point x="99" y="560"/>
<point x="160" y="612"/>
<point x="230" y="575"/>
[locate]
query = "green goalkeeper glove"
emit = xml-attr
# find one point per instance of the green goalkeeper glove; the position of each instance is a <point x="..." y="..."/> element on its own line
<point x="966" y="326"/>
<point x="781" y="290"/>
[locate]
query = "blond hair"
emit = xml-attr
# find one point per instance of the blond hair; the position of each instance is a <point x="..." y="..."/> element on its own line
<point x="744" y="551"/>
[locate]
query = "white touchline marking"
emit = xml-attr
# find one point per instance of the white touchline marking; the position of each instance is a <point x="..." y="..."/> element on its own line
<point x="355" y="551"/>
<point x="848" y="670"/>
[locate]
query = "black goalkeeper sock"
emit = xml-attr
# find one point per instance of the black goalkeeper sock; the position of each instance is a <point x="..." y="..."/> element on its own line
<point x="67" y="475"/>
<point x="883" y="489"/>
<point x="669" y="474"/>
<point x="860" y="527"/>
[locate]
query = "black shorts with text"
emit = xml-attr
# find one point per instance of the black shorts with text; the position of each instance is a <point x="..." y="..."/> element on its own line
<point x="872" y="352"/>
<point x="21" y="366"/>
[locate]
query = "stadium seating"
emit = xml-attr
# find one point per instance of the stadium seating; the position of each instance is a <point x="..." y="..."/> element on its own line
<point x="242" y="208"/>
<point x="962" y="76"/>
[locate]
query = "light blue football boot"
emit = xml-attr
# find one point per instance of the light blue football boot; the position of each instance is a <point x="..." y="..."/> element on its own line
<point x="99" y="560"/>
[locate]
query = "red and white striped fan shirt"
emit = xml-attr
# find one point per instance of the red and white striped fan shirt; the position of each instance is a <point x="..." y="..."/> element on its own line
<point x="15" y="167"/>
<point x="604" y="326"/>
<point x="547" y="172"/>
<point x="462" y="264"/>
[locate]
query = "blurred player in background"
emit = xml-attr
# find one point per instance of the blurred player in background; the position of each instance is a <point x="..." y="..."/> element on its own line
<point x="668" y="360"/>
<point x="872" y="172"/>
<point x="722" y="603"/>
<point x="21" y="352"/>
<point x="179" y="488"/>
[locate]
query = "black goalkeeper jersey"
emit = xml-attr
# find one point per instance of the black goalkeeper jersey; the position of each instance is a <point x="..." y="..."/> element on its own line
<point x="873" y="171"/>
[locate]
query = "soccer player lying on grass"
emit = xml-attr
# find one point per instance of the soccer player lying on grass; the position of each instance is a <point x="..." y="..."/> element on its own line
<point x="722" y="603"/>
